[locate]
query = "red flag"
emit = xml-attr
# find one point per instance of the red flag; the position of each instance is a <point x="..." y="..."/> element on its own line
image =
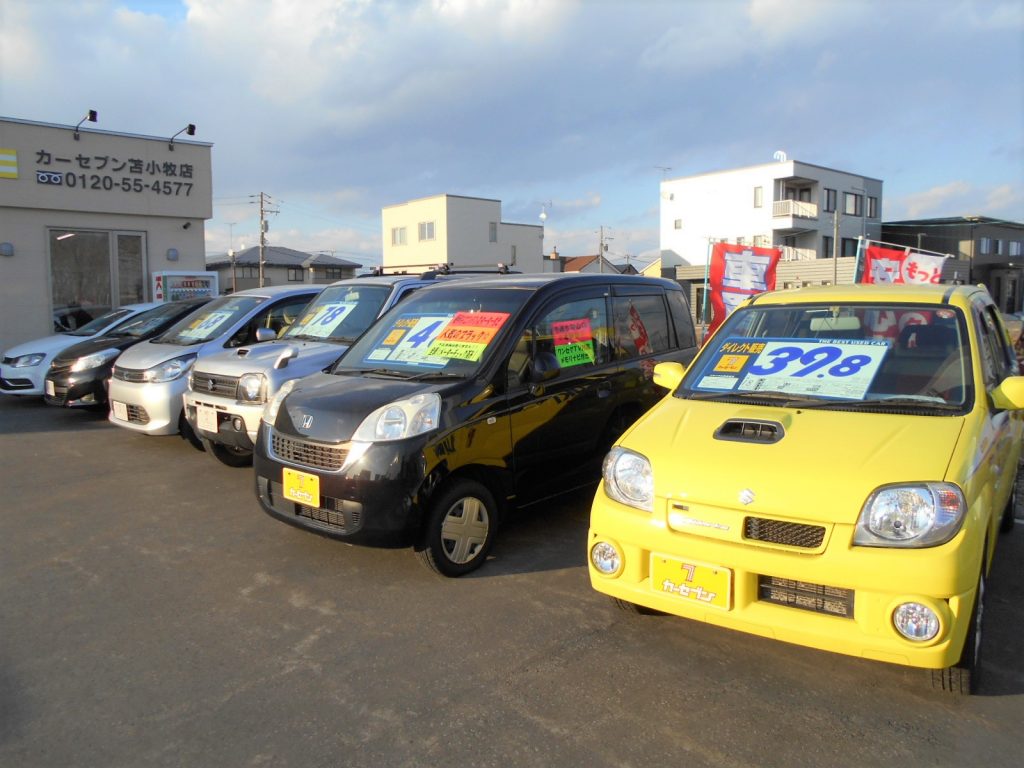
<point x="889" y="265"/>
<point x="737" y="272"/>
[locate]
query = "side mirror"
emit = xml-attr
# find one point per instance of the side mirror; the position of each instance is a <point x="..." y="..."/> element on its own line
<point x="265" y="334"/>
<point x="668" y="375"/>
<point x="1009" y="395"/>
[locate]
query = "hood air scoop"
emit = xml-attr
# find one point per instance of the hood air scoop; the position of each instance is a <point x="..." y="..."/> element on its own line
<point x="750" y="431"/>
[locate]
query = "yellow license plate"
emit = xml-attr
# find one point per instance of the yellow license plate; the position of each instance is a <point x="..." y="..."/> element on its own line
<point x="700" y="583"/>
<point x="302" y="487"/>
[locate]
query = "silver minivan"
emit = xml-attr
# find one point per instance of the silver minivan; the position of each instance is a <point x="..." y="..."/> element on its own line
<point x="150" y="378"/>
<point x="228" y="391"/>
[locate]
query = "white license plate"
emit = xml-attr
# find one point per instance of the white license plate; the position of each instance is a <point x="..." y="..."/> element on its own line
<point x="120" y="410"/>
<point x="206" y="418"/>
<point x="49" y="387"/>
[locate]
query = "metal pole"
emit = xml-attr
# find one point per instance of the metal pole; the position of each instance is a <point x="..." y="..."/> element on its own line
<point x="263" y="238"/>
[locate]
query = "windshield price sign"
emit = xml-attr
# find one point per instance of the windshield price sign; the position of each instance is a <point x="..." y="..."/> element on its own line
<point x="322" y="321"/>
<point x="409" y="341"/>
<point x="206" y="325"/>
<point x="832" y="368"/>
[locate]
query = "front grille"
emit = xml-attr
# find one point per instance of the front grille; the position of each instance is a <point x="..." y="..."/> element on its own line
<point x="129" y="374"/>
<point x="333" y="514"/>
<point x="137" y="414"/>
<point x="211" y="384"/>
<point x="818" y="598"/>
<point x="307" y="453"/>
<point x="779" y="532"/>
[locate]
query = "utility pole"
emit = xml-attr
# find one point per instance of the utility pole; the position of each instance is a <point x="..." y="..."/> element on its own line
<point x="263" y="236"/>
<point x="600" y="251"/>
<point x="835" y="245"/>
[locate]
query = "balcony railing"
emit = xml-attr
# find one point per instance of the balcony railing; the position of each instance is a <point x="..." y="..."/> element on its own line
<point x="789" y="253"/>
<point x="796" y="208"/>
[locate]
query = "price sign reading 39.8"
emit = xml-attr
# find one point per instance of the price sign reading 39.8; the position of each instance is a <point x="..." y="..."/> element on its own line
<point x="830" y="368"/>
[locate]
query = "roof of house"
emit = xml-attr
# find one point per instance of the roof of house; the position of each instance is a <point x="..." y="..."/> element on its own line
<point x="277" y="256"/>
<point x="579" y="263"/>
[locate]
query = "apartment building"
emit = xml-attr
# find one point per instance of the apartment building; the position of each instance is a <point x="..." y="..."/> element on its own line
<point x="461" y="232"/>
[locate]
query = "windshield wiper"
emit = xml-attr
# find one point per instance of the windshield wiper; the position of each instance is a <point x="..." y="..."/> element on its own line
<point x="771" y="397"/>
<point x="435" y="375"/>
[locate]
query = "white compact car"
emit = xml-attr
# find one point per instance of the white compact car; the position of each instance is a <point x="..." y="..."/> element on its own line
<point x="24" y="367"/>
<point x="150" y="378"/>
<point x="228" y="391"/>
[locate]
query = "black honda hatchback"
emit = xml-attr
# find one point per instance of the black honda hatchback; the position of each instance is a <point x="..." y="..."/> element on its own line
<point x="464" y="400"/>
<point x="80" y="374"/>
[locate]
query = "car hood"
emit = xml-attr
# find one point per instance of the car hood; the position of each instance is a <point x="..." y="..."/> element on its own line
<point x="45" y="345"/>
<point x="149" y="353"/>
<point x="310" y="356"/>
<point x="91" y="346"/>
<point x="822" y="467"/>
<point x="332" y="407"/>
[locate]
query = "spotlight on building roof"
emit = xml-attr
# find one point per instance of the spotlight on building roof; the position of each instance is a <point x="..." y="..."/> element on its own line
<point x="189" y="129"/>
<point x="91" y="116"/>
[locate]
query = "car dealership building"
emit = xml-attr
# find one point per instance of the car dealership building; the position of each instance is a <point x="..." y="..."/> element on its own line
<point x="88" y="217"/>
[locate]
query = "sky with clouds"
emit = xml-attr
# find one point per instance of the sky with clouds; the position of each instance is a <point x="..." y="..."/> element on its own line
<point x="336" y="108"/>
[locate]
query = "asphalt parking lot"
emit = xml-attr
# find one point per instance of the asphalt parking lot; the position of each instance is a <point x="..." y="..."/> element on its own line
<point x="151" y="614"/>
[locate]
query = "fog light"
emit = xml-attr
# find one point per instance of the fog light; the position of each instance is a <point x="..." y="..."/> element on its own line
<point x="916" y="622"/>
<point x="605" y="558"/>
<point x="237" y="424"/>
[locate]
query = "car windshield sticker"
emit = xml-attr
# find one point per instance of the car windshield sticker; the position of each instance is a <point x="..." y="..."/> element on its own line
<point x="409" y="340"/>
<point x="574" y="342"/>
<point x="829" y="368"/>
<point x="322" y="320"/>
<point x="204" y="326"/>
<point x="467" y="335"/>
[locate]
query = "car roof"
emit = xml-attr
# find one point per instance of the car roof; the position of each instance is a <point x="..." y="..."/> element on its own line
<point x="536" y="281"/>
<point x="276" y="291"/>
<point x="941" y="293"/>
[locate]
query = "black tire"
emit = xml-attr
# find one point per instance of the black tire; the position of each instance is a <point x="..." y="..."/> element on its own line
<point x="643" y="610"/>
<point x="1006" y="522"/>
<point x="189" y="434"/>
<point x="227" y="454"/>
<point x="964" y="676"/>
<point x="460" y="529"/>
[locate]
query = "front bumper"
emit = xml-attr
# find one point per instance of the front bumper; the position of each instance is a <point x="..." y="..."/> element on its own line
<point x="377" y="501"/>
<point x="237" y="423"/>
<point x="834" y="597"/>
<point x="153" y="408"/>
<point x="23" y="381"/>
<point x="88" y="388"/>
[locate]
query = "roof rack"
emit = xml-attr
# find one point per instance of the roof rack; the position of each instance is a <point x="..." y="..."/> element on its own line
<point x="438" y="269"/>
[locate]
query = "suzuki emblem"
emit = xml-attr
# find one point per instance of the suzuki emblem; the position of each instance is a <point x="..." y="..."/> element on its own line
<point x="209" y="385"/>
<point x="746" y="496"/>
<point x="307" y="421"/>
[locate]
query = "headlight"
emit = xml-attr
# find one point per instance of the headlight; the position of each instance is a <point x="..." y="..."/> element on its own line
<point x="251" y="388"/>
<point x="270" y="412"/>
<point x="94" y="360"/>
<point x="169" y="371"/>
<point x="913" y="515"/>
<point x="628" y="478"/>
<point x="27" y="361"/>
<point x="401" y="419"/>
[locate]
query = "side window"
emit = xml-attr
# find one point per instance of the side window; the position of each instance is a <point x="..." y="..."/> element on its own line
<point x="996" y="355"/>
<point x="572" y="336"/>
<point x="640" y="326"/>
<point x="682" y="318"/>
<point x="277" y="317"/>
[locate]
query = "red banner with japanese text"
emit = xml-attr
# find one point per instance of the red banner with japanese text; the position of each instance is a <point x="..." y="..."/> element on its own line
<point x="891" y="265"/>
<point x="736" y="273"/>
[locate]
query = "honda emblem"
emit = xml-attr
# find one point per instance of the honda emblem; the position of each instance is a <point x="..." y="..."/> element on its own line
<point x="307" y="421"/>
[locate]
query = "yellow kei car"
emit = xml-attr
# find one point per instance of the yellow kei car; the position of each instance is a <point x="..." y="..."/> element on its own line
<point x="832" y="470"/>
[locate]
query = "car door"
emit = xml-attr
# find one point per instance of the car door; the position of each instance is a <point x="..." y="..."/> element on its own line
<point x="558" y="384"/>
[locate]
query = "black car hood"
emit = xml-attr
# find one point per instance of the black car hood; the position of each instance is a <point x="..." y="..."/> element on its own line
<point x="91" y="346"/>
<point x="329" y="408"/>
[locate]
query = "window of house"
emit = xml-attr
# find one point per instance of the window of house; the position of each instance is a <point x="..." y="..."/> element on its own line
<point x="985" y="245"/>
<point x="493" y="232"/>
<point x="852" y="204"/>
<point x="848" y="246"/>
<point x="741" y="241"/>
<point x="830" y="199"/>
<point x="872" y="207"/>
<point x="758" y="196"/>
<point x="99" y="270"/>
<point x="761" y="241"/>
<point x="1013" y="247"/>
<point x="826" y="247"/>
<point x="677" y="224"/>
<point x="426" y="230"/>
<point x="295" y="274"/>
<point x="398" y="235"/>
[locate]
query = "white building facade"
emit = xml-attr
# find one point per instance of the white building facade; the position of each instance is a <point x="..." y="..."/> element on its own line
<point x="786" y="204"/>
<point x="461" y="232"/>
<point x="87" y="217"/>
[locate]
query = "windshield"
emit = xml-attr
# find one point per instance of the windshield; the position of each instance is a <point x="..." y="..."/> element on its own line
<point x="838" y="355"/>
<point x="210" y="320"/>
<point x="438" y="331"/>
<point x="340" y="313"/>
<point x="103" y="321"/>
<point x="151" y="320"/>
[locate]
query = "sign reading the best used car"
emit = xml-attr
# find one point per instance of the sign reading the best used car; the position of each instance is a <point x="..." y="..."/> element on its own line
<point x="830" y="368"/>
